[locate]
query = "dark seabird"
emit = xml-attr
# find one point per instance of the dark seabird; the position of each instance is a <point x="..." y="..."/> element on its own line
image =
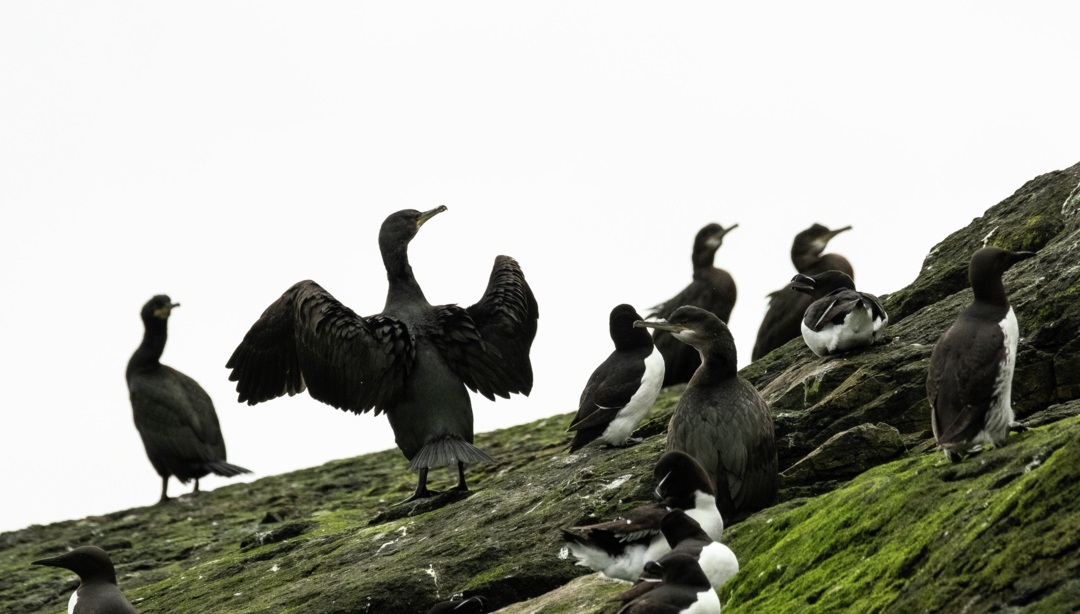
<point x="97" y="592"/>
<point x="712" y="289"/>
<point x="623" y="388"/>
<point x="969" y="384"/>
<point x="685" y="536"/>
<point x="721" y="420"/>
<point x="413" y="361"/>
<point x="620" y="548"/>
<point x="684" y="589"/>
<point x="173" y="414"/>
<point x="782" y="321"/>
<point x="840" y="318"/>
<point x="472" y="605"/>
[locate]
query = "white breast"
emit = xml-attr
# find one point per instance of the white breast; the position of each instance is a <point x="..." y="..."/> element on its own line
<point x="71" y="602"/>
<point x="707" y="603"/>
<point x="1000" y="414"/>
<point x="622" y="427"/>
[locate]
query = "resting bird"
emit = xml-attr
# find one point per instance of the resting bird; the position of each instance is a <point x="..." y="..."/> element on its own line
<point x="173" y="414"/>
<point x="413" y="361"/>
<point x="471" y="605"/>
<point x="621" y="547"/>
<point x="623" y="388"/>
<point x="683" y="590"/>
<point x="786" y="307"/>
<point x="712" y="289"/>
<point x="97" y="592"/>
<point x="969" y="384"/>
<point x="840" y="318"/>
<point x="721" y="420"/>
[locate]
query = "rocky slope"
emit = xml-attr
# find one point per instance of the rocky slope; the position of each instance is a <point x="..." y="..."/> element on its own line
<point x="871" y="519"/>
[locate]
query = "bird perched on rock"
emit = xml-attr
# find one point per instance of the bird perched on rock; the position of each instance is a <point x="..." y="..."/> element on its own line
<point x="712" y="289"/>
<point x="684" y="589"/>
<point x="471" y="605"/>
<point x="623" y="388"/>
<point x="721" y="420"/>
<point x="969" y="384"/>
<point x="413" y="361"/>
<point x="172" y="412"/>
<point x="786" y="306"/>
<point x="840" y="318"/>
<point x="620" y="548"/>
<point x="97" y="592"/>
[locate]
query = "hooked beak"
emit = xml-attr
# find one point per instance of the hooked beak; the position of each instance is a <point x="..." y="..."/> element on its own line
<point x="427" y="215"/>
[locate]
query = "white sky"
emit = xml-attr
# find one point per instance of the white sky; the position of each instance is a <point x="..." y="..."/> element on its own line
<point x="219" y="152"/>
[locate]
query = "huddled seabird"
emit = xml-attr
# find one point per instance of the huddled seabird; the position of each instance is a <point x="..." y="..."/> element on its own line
<point x="172" y="412"/>
<point x="969" y="384"/>
<point x="97" y="592"/>
<point x="684" y="589"/>
<point x="721" y="420"/>
<point x="782" y="321"/>
<point x="841" y="318"/>
<point x="413" y="361"/>
<point x="712" y="289"/>
<point x="622" y="389"/>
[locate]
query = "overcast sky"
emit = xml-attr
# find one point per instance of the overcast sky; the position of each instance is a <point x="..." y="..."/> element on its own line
<point x="219" y="152"/>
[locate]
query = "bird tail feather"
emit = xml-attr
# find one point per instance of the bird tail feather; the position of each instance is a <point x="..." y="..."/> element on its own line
<point x="448" y="451"/>
<point x="224" y="469"/>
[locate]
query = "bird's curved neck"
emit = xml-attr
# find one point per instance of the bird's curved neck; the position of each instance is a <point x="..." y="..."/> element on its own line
<point x="403" y="288"/>
<point x="715" y="367"/>
<point x="990" y="291"/>
<point x="703" y="259"/>
<point x="153" y="344"/>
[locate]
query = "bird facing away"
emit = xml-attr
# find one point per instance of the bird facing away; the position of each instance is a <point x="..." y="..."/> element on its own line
<point x="969" y="384"/>
<point x="840" y="318"/>
<point x="620" y="548"/>
<point x="684" y="589"/>
<point x="712" y="289"/>
<point x="786" y="306"/>
<point x="97" y="592"/>
<point x="172" y="412"/>
<point x="623" y="388"/>
<point x="413" y="361"/>
<point x="721" y="420"/>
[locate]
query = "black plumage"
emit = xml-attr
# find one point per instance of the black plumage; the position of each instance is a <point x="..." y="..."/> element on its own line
<point x="469" y="605"/>
<point x="782" y="321"/>
<point x="97" y="592"/>
<point x="412" y="361"/>
<point x="622" y="389"/>
<point x="712" y="289"/>
<point x="840" y="318"/>
<point x="173" y="414"/>
<point x="682" y="590"/>
<point x="969" y="383"/>
<point x="721" y="420"/>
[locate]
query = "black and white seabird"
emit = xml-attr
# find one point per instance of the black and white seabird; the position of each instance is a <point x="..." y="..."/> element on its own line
<point x="97" y="592"/>
<point x="684" y="589"/>
<point x="172" y="412"/>
<point x="721" y="420"/>
<point x="840" y="318"/>
<point x="969" y="384"/>
<point x="712" y="289"/>
<point x="470" y="605"/>
<point x="786" y="306"/>
<point x="413" y="361"/>
<point x="620" y="548"/>
<point x="623" y="388"/>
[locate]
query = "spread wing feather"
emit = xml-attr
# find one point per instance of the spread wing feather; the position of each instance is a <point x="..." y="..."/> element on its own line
<point x="308" y="340"/>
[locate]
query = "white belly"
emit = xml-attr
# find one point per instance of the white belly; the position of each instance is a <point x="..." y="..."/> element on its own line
<point x="857" y="330"/>
<point x="622" y="427"/>
<point x="1000" y="414"/>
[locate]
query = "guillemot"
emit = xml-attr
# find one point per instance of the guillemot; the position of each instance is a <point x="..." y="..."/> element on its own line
<point x="97" y="592"/>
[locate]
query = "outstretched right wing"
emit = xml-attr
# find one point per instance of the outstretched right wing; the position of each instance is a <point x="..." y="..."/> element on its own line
<point x="308" y="340"/>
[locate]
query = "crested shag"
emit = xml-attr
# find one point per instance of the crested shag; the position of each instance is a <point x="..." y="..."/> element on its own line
<point x="721" y="420"/>
<point x="969" y="384"/>
<point x="172" y="412"/>
<point x="413" y="361"/>
<point x="782" y="321"/>
<point x="712" y="289"/>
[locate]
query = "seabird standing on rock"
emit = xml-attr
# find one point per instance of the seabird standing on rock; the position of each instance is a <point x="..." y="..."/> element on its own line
<point x="683" y="590"/>
<point x="172" y="412"/>
<point x="721" y="420"/>
<point x="620" y="548"/>
<point x="413" y="361"/>
<point x="712" y="289"/>
<point x="840" y="318"/>
<point x="969" y="384"/>
<point x="97" y="592"/>
<point x="786" y="307"/>
<point x="623" y="388"/>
